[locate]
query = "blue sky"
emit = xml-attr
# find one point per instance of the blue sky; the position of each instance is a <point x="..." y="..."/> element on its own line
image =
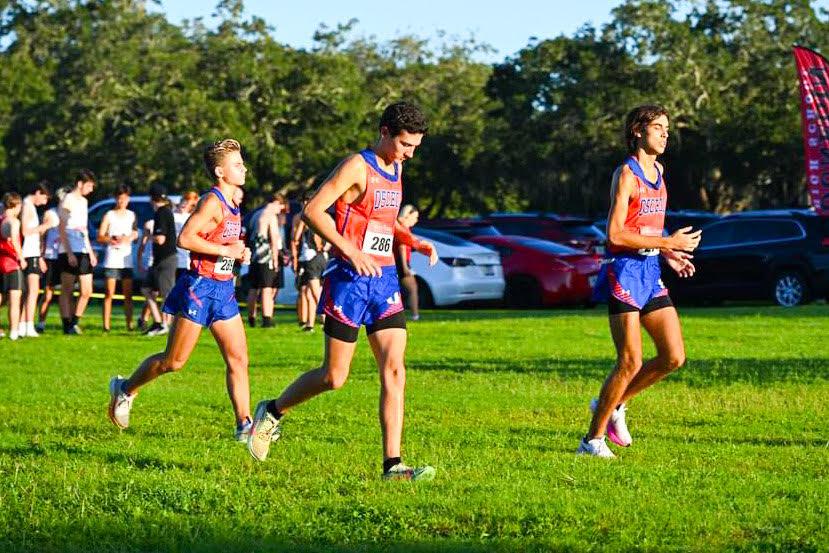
<point x="507" y="26"/>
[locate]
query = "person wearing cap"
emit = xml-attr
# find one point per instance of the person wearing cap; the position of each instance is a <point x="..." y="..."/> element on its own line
<point x="162" y="276"/>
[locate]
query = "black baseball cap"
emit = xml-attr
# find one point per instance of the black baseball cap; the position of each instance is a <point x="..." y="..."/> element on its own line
<point x="158" y="192"/>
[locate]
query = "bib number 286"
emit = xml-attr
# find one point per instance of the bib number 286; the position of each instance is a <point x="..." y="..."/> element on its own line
<point x="224" y="265"/>
<point x="378" y="243"/>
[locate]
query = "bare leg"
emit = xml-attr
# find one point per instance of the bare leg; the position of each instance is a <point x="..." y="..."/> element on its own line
<point x="32" y="292"/>
<point x="67" y="290"/>
<point x="109" y="292"/>
<point x="627" y="336"/>
<point x="48" y="294"/>
<point x="663" y="327"/>
<point x="253" y="295"/>
<point x="126" y="288"/>
<point x="389" y="347"/>
<point x="302" y="305"/>
<point x="14" y="309"/>
<point x="313" y="294"/>
<point x="267" y="302"/>
<point x="152" y="305"/>
<point x="230" y="336"/>
<point x="85" y="294"/>
<point x="180" y="344"/>
<point x="330" y="376"/>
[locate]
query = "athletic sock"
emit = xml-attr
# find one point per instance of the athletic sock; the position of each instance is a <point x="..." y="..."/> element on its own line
<point x="273" y="410"/>
<point x="66" y="323"/>
<point x="267" y="322"/>
<point x="75" y="320"/>
<point x="390" y="462"/>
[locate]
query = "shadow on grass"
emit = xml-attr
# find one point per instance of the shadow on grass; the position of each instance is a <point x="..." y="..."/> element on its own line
<point x="726" y="439"/>
<point x="696" y="372"/>
<point x="137" y="460"/>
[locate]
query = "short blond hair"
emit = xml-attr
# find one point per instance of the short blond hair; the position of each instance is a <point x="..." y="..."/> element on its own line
<point x="11" y="200"/>
<point x="216" y="152"/>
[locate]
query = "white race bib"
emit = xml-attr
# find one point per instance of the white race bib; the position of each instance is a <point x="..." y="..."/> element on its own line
<point x="224" y="265"/>
<point x="378" y="240"/>
<point x="649" y="231"/>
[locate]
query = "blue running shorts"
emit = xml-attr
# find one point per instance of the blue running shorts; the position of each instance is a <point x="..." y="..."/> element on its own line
<point x="202" y="300"/>
<point x="357" y="300"/>
<point x="632" y="279"/>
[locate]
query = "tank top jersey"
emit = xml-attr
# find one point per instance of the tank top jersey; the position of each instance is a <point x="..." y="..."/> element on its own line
<point x="368" y="223"/>
<point x="646" y="207"/>
<point x="120" y="224"/>
<point x="31" y="243"/>
<point x="76" y="229"/>
<point x="226" y="232"/>
<point x="8" y="257"/>
<point x="51" y="240"/>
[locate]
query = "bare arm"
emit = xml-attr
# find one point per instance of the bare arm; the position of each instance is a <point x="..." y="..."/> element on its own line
<point x="14" y="236"/>
<point x="347" y="181"/>
<point x="208" y="214"/>
<point x="63" y="214"/>
<point x="103" y="230"/>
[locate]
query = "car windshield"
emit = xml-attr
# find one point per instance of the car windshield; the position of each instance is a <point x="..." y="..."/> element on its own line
<point x="548" y="247"/>
<point x="584" y="229"/>
<point x="443" y="237"/>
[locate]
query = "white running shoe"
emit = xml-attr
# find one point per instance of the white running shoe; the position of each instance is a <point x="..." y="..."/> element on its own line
<point x="266" y="429"/>
<point x="119" y="403"/>
<point x="617" y="428"/>
<point x="31" y="331"/>
<point x="596" y="448"/>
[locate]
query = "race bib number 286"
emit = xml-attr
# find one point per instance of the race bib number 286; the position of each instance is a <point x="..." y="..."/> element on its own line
<point x="224" y="266"/>
<point x="378" y="241"/>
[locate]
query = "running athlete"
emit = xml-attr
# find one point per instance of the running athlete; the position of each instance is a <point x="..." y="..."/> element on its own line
<point x="12" y="261"/>
<point x="204" y="296"/>
<point x="32" y="229"/>
<point x="360" y="285"/>
<point x="118" y="231"/>
<point x="76" y="257"/>
<point x="630" y="279"/>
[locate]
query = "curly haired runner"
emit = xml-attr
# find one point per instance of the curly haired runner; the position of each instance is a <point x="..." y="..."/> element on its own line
<point x="360" y="284"/>
<point x="630" y="279"/>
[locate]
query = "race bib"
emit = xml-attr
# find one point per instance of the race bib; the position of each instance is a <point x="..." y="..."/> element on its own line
<point x="224" y="265"/>
<point x="649" y="231"/>
<point x="378" y="240"/>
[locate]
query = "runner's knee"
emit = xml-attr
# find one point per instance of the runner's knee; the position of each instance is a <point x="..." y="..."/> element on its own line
<point x="334" y="379"/>
<point x="628" y="365"/>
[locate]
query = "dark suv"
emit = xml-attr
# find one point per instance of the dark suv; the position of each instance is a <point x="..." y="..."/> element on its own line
<point x="576" y="232"/>
<point x="780" y="255"/>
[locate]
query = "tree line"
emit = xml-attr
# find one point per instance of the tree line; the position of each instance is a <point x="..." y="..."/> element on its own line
<point x="114" y="86"/>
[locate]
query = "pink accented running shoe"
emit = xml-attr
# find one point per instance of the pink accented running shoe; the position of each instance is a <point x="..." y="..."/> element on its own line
<point x="617" y="428"/>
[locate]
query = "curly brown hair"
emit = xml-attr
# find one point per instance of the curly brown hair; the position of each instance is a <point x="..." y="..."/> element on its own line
<point x="637" y="119"/>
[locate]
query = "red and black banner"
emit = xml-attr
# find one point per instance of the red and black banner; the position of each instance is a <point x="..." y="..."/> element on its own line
<point x="813" y="71"/>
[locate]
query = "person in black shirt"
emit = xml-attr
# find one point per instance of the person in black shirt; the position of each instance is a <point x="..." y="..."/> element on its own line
<point x="162" y="275"/>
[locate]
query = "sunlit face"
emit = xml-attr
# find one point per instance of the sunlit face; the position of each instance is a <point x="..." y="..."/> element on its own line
<point x="122" y="201"/>
<point x="232" y="169"/>
<point x="401" y="147"/>
<point x="13" y="211"/>
<point x="655" y="138"/>
<point x="87" y="187"/>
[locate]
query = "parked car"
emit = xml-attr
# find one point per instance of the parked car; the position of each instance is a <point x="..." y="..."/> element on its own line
<point x="139" y="204"/>
<point x="675" y="220"/>
<point x="464" y="272"/>
<point x="576" y="232"/>
<point x="543" y="273"/>
<point x="781" y="256"/>
<point x="462" y="228"/>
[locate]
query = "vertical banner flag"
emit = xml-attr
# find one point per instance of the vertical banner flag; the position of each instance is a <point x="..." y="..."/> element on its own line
<point x="813" y="71"/>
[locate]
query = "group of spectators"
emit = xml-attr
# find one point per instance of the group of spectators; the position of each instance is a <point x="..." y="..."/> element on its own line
<point x="54" y="252"/>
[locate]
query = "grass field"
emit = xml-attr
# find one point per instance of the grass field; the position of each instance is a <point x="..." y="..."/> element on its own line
<point x="730" y="453"/>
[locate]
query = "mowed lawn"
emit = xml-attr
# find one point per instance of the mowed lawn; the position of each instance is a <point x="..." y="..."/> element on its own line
<point x="730" y="453"/>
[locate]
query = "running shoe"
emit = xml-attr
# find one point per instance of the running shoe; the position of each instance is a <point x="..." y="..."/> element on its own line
<point x="617" y="428"/>
<point x="242" y="432"/>
<point x="596" y="448"/>
<point x="120" y="403"/>
<point x="159" y="330"/>
<point x="266" y="429"/>
<point x="405" y="472"/>
<point x="40" y="327"/>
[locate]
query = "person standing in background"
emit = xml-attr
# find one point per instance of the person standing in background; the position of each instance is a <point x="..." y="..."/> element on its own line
<point x="266" y="275"/>
<point x="403" y="256"/>
<point x="11" y="259"/>
<point x="49" y="250"/>
<point x="32" y="229"/>
<point x="162" y="275"/>
<point x="118" y="231"/>
<point x="180" y="215"/>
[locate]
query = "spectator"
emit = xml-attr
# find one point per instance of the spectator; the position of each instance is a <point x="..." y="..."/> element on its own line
<point x="312" y="258"/>
<point x="163" y="272"/>
<point x="49" y="251"/>
<point x="11" y="259"/>
<point x="75" y="255"/>
<point x="407" y="217"/>
<point x="182" y="212"/>
<point x="266" y="275"/>
<point x="32" y="229"/>
<point x="145" y="263"/>
<point x="118" y="231"/>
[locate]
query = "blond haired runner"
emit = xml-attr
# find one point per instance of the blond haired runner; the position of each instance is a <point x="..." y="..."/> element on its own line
<point x="204" y="295"/>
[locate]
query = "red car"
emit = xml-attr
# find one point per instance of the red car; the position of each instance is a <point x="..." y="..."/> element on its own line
<point x="543" y="273"/>
<point x="577" y="232"/>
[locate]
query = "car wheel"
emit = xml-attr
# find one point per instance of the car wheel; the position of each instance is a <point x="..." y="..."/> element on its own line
<point x="425" y="299"/>
<point x="790" y="289"/>
<point x="522" y="293"/>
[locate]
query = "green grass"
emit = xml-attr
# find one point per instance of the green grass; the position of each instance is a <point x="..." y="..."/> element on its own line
<point x="730" y="453"/>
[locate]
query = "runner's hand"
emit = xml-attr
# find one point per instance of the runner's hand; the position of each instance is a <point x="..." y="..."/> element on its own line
<point x="42" y="263"/>
<point x="93" y="259"/>
<point x="364" y="264"/>
<point x="23" y="264"/>
<point x="433" y="252"/>
<point x="235" y="250"/>
<point x="246" y="257"/>
<point x="680" y="262"/>
<point x="685" y="240"/>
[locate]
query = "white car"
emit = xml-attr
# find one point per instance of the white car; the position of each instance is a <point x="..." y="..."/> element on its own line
<point x="464" y="272"/>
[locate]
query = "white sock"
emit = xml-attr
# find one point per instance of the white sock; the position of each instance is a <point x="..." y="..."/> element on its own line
<point x="13" y="335"/>
<point x="21" y="328"/>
